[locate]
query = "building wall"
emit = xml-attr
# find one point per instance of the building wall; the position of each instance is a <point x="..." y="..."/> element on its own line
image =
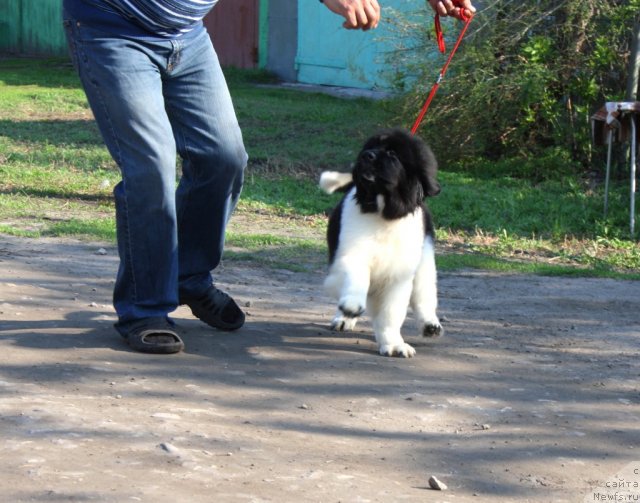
<point x="282" y="46"/>
<point x="32" y="27"/>
<point x="331" y="55"/>
<point x="233" y="27"/>
<point x="297" y="40"/>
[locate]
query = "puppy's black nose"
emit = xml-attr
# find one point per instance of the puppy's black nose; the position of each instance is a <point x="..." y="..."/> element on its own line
<point x="369" y="155"/>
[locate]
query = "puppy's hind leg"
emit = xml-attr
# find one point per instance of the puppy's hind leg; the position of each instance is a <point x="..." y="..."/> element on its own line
<point x="424" y="298"/>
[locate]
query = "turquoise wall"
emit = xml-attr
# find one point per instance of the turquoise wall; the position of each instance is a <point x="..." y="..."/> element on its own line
<point x="330" y="55"/>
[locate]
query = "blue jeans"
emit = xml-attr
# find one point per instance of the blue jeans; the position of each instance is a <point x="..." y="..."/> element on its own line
<point x="153" y="99"/>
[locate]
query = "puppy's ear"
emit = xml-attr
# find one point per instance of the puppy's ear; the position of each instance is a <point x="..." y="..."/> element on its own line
<point x="423" y="162"/>
<point x="431" y="186"/>
<point x="428" y="171"/>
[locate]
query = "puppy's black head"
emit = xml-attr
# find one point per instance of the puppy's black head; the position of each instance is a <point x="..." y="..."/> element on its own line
<point x="397" y="167"/>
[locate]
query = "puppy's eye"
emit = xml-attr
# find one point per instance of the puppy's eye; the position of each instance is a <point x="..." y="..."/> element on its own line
<point x="392" y="154"/>
<point x="369" y="155"/>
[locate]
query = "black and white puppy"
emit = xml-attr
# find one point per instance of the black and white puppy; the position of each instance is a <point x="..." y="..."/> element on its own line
<point x="381" y="240"/>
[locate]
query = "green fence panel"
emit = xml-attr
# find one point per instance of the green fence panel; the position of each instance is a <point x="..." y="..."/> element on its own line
<point x="10" y="25"/>
<point x="32" y="27"/>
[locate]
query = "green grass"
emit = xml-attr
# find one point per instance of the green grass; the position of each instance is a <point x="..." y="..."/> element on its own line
<point x="553" y="208"/>
<point x="300" y="130"/>
<point x="291" y="253"/>
<point x="56" y="179"/>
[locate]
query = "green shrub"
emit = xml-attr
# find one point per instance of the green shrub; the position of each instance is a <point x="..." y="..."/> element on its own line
<point x="524" y="83"/>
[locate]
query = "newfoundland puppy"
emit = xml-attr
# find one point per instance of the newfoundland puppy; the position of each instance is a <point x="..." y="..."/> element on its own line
<point x="381" y="240"/>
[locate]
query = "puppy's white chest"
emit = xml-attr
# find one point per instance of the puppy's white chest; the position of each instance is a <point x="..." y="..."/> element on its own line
<point x="384" y="244"/>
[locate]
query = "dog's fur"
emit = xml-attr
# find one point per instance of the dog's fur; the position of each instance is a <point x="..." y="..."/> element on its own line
<point x="381" y="240"/>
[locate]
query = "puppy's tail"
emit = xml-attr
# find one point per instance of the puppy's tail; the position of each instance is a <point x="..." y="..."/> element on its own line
<point x="330" y="181"/>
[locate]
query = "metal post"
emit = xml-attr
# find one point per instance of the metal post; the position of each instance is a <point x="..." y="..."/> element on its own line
<point x="634" y="65"/>
<point x="632" y="218"/>
<point x="606" y="179"/>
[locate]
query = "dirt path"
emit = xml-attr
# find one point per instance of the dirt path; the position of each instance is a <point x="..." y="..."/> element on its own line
<point x="532" y="395"/>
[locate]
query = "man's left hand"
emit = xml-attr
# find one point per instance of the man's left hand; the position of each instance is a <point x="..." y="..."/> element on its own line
<point x="358" y="14"/>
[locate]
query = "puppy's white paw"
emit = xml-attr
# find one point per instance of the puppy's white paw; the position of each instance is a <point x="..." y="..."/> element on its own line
<point x="351" y="307"/>
<point x="343" y="324"/>
<point x="432" y="329"/>
<point x="404" y="350"/>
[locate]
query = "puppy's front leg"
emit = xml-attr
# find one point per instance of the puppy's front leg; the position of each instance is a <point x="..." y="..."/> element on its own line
<point x="349" y="284"/>
<point x="424" y="298"/>
<point x="342" y="323"/>
<point x="353" y="295"/>
<point x="388" y="312"/>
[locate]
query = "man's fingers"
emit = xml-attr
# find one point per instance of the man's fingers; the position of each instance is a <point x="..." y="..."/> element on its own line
<point x="373" y="13"/>
<point x="351" y="20"/>
<point x="367" y="14"/>
<point x="361" y="16"/>
<point x="358" y="14"/>
<point x="445" y="7"/>
<point x="462" y="10"/>
<point x="441" y="9"/>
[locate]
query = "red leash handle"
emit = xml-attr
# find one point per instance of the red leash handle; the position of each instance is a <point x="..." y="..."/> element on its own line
<point x="438" y="27"/>
<point x="439" y="34"/>
<point x="440" y="39"/>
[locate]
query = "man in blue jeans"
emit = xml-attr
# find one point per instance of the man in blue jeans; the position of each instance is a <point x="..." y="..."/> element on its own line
<point x="154" y="84"/>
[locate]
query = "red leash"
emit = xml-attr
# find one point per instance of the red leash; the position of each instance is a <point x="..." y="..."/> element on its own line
<point x="440" y="39"/>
